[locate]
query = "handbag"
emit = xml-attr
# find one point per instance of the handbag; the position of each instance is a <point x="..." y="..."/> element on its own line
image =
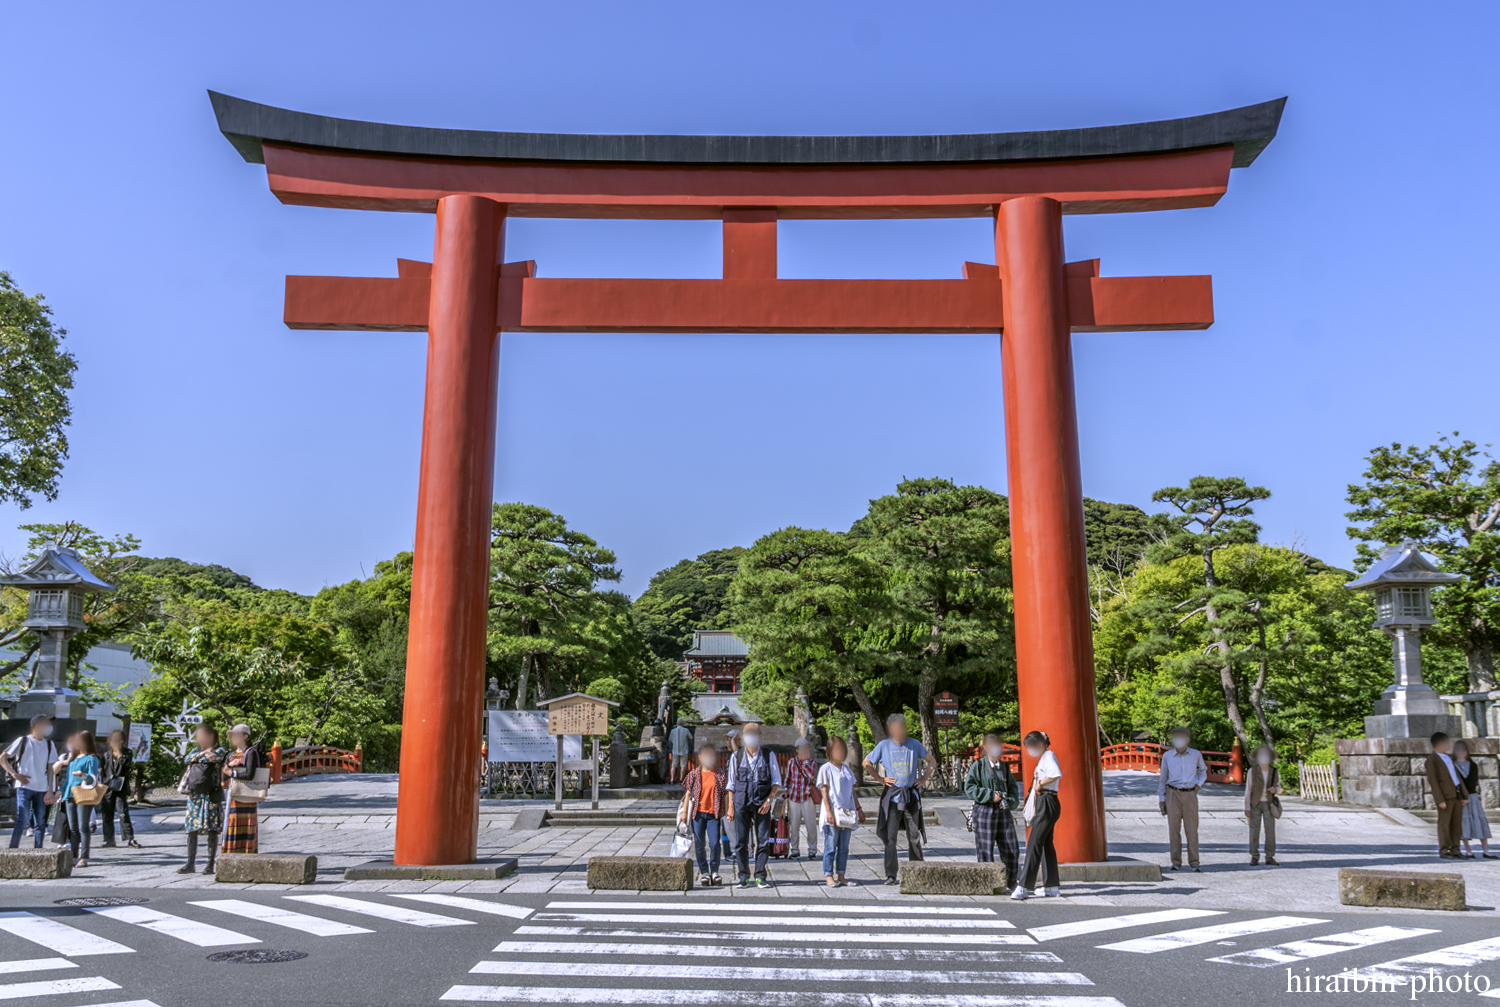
<point x="253" y="790"/>
<point x="845" y="818"/>
<point x="682" y="843"/>
<point x="1275" y="806"/>
<point x="779" y="807"/>
<point x="1029" y="811"/>
<point x="88" y="793"/>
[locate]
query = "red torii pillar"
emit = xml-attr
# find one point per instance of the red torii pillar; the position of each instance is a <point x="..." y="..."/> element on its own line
<point x="465" y="297"/>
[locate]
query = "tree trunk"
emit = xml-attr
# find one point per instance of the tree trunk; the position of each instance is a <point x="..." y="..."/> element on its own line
<point x="1227" y="683"/>
<point x="1258" y="690"/>
<point x="1481" y="657"/>
<point x="926" y="690"/>
<point x="523" y="681"/>
<point x="872" y="715"/>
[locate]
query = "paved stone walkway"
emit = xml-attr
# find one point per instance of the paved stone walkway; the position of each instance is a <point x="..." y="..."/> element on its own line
<point x="350" y="820"/>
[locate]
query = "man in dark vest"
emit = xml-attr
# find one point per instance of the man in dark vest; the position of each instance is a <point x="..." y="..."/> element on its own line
<point x="754" y="782"/>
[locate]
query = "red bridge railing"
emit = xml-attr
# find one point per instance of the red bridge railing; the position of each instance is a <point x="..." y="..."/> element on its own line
<point x="1223" y="767"/>
<point x="310" y="760"/>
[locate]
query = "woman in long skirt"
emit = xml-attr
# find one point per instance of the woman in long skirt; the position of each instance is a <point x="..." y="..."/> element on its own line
<point x="205" y="794"/>
<point x="1474" y="824"/>
<point x="241" y="831"/>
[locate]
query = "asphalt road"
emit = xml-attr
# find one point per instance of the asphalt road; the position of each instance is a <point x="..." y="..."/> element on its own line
<point x="660" y="949"/>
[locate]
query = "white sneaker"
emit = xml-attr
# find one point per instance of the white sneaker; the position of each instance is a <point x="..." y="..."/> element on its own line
<point x="1020" y="893"/>
<point x="1052" y="893"/>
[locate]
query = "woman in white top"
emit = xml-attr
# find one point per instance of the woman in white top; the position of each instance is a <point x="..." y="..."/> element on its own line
<point x="1039" y="848"/>
<point x="836" y="782"/>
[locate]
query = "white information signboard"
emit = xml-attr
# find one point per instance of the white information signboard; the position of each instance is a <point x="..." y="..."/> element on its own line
<point x="140" y="741"/>
<point x="521" y="736"/>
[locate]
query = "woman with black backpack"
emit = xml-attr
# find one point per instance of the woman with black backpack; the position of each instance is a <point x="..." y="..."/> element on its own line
<point x="205" y="794"/>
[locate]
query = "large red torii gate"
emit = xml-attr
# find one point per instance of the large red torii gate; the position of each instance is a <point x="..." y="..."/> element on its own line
<point x="475" y="180"/>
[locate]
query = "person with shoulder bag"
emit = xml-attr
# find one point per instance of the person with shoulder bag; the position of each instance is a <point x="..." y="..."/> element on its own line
<point x="84" y="792"/>
<point x="992" y="788"/>
<point x="249" y="783"/>
<point x="1041" y="811"/>
<point x="840" y="812"/>
<point x="114" y="773"/>
<point x="205" y="794"/>
<point x="28" y="760"/>
<point x="1262" y="806"/>
<point x="703" y="808"/>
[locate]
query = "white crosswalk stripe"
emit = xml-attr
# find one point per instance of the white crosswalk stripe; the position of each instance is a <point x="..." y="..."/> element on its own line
<point x="1459" y="956"/>
<point x="1206" y="935"/>
<point x="1296" y="951"/>
<point x="128" y="1003"/>
<point x="59" y="937"/>
<point x="758" y="974"/>
<point x="15" y="991"/>
<point x="1055" y="931"/>
<point x="775" y="936"/>
<point x="205" y="935"/>
<point x="871" y="909"/>
<point x="968" y="955"/>
<point x="753" y="998"/>
<point x="280" y="917"/>
<point x="36" y="965"/>
<point x="396" y="914"/>
<point x="781" y="919"/>
<point x="475" y="905"/>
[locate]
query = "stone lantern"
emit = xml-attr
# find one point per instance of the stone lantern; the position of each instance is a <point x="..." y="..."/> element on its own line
<point x="58" y="584"/>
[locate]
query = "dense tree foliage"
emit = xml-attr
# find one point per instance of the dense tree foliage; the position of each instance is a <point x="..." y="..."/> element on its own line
<point x="36" y="374"/>
<point x="684" y="597"/>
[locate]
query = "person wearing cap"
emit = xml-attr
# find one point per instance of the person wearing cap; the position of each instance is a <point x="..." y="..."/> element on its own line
<point x="242" y="825"/>
<point x="802" y="799"/>
<point x="28" y="760"/>
<point x="1183" y="772"/>
<point x="754" y="782"/>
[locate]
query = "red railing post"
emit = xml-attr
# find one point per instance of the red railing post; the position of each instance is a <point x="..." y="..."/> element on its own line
<point x="359" y="757"/>
<point x="1237" y="757"/>
<point x="276" y="761"/>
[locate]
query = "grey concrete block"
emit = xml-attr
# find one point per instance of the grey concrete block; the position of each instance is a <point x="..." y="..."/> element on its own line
<point x="950" y="817"/>
<point x="645" y="874"/>
<point x="1114" y="869"/>
<point x="947" y="877"/>
<point x="385" y="870"/>
<point x="35" y="863"/>
<point x="1363" y="886"/>
<point x="529" y="819"/>
<point x="266" y="868"/>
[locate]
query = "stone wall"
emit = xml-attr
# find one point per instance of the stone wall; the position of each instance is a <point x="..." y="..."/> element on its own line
<point x="1392" y="772"/>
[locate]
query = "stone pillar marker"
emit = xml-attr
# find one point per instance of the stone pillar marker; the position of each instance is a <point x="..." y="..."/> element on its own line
<point x="1385" y="768"/>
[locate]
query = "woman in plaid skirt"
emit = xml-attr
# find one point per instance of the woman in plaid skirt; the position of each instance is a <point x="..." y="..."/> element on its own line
<point x="241" y="831"/>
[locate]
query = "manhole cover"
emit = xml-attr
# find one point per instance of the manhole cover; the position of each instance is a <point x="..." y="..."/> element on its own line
<point x="101" y="900"/>
<point x="257" y="957"/>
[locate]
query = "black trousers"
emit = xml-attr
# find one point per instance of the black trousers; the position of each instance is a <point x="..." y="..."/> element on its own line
<point x="1039" y="846"/>
<point x="746" y="818"/>
<point x="895" y="820"/>
<point x="107" y="811"/>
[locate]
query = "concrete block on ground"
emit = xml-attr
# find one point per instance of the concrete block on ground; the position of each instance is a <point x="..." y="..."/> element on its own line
<point x="266" y="868"/>
<point x="1367" y="886"/>
<point x="1402" y="817"/>
<point x="646" y="874"/>
<point x="1113" y="869"/>
<point x="950" y="877"/>
<point x="529" y="819"/>
<point x="35" y="864"/>
<point x="385" y="870"/>
<point x="950" y="816"/>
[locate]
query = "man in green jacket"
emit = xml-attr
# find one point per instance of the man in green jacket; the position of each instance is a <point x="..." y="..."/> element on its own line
<point x="995" y="793"/>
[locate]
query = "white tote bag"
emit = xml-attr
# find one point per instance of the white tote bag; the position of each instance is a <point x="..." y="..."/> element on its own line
<point x="682" y="844"/>
<point x="1029" y="811"/>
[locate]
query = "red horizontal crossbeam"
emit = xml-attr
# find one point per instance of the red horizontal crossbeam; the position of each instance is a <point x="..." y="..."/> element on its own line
<point x="1095" y="304"/>
<point x="313" y="177"/>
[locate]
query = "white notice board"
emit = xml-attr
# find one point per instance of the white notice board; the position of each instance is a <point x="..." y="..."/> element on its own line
<point x="521" y="736"/>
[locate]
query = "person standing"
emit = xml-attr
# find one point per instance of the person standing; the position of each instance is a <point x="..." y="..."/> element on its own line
<point x="1473" y="825"/>
<point x="205" y="794"/>
<point x="1183" y="772"/>
<point x="802" y="798"/>
<point x="1261" y="787"/>
<point x="1448" y="794"/>
<point x="726" y="824"/>
<point x="992" y="788"/>
<point x="840" y="812"/>
<point x="242" y="826"/>
<point x="1046" y="810"/>
<point x="28" y="761"/>
<point x="899" y="757"/>
<point x="83" y="771"/>
<point x="703" y="808"/>
<point x="114" y="773"/>
<point x="754" y="782"/>
<point x="680" y="744"/>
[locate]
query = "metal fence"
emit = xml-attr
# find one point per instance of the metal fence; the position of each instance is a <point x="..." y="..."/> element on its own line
<point x="535" y="779"/>
<point x="1319" y="782"/>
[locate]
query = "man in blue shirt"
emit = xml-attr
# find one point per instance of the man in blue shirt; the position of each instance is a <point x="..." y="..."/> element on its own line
<point x="1183" y="771"/>
<point x="905" y="764"/>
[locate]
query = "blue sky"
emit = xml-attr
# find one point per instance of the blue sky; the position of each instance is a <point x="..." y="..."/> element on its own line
<point x="1353" y="267"/>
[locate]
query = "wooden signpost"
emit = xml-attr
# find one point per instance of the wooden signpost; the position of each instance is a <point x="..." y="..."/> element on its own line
<point x="580" y="714"/>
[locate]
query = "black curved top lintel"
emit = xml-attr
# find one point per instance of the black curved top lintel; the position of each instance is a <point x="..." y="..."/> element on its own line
<point x="248" y="124"/>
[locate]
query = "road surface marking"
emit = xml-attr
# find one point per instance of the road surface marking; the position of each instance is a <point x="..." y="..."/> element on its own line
<point x="59" y="937"/>
<point x="1296" y="951"/>
<point x="753" y="998"/>
<point x="1458" y="956"/>
<point x="128" y="1003"/>
<point x="782" y="936"/>
<point x="1056" y="930"/>
<point x="695" y="971"/>
<point x="283" y="917"/>
<point x="751" y="951"/>
<point x="36" y="965"/>
<point x="15" y="991"/>
<point x="396" y="914"/>
<point x="873" y="908"/>
<point x="205" y="935"/>
<point x="780" y="920"/>
<point x="1206" y="935"/>
<point x="477" y="905"/>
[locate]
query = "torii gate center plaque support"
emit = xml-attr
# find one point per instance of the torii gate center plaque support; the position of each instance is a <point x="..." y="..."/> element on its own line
<point x="468" y="294"/>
